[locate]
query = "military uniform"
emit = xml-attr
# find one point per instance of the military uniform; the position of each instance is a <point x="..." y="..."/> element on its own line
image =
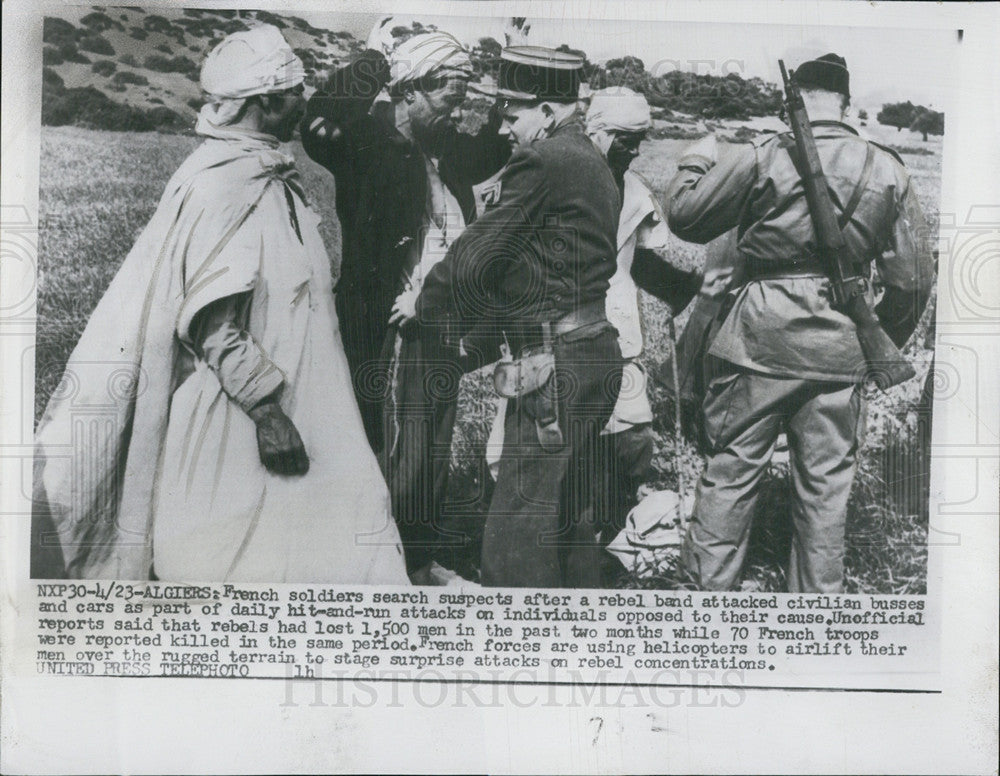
<point x="789" y="362"/>
<point x="536" y="264"/>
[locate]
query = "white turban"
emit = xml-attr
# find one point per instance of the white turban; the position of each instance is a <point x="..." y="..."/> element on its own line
<point x="257" y="61"/>
<point x="618" y="109"/>
<point x="427" y="54"/>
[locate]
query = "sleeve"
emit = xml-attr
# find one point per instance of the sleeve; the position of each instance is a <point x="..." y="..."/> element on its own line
<point x="704" y="200"/>
<point x="463" y="286"/>
<point x="653" y="232"/>
<point x="244" y="370"/>
<point x="343" y="102"/>
<point x="907" y="272"/>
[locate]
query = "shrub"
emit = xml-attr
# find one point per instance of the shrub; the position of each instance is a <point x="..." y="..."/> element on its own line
<point x="57" y="30"/>
<point x="270" y="18"/>
<point x="117" y="87"/>
<point x="164" y="48"/>
<point x="138" y="33"/>
<point x="69" y="52"/>
<point x="97" y="44"/>
<point x="51" y="79"/>
<point x="178" y="64"/>
<point x="52" y="56"/>
<point x="163" y="118"/>
<point x="104" y="67"/>
<point x="155" y="23"/>
<point x="128" y="59"/>
<point x="129" y="77"/>
<point x="99" y="22"/>
<point x="195" y="103"/>
<point x="90" y="107"/>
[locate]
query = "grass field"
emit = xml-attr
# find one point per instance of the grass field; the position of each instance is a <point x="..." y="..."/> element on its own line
<point x="98" y="190"/>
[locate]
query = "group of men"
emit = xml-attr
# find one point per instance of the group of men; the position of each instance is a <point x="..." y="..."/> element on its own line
<point x="524" y="246"/>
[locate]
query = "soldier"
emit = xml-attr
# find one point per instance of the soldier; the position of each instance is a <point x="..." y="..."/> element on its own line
<point x="787" y="359"/>
<point x="404" y="178"/>
<point x="537" y="264"/>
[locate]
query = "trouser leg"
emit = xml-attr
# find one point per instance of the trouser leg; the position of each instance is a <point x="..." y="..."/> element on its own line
<point x="743" y="417"/>
<point x="420" y="421"/>
<point x="540" y="528"/>
<point x="823" y="442"/>
<point x="628" y="463"/>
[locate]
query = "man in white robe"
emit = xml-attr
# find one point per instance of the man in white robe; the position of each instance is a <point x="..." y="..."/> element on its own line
<point x="230" y="447"/>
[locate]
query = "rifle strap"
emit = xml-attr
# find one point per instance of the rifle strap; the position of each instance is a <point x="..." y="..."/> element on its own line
<point x="859" y="190"/>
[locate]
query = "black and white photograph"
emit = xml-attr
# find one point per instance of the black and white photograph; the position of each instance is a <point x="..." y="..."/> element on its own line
<point x="489" y="386"/>
<point x="434" y="301"/>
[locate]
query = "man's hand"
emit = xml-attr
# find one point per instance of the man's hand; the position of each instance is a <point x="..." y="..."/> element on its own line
<point x="279" y="443"/>
<point x="404" y="309"/>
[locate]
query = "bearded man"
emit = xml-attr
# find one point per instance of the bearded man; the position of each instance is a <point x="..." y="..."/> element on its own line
<point x="404" y="177"/>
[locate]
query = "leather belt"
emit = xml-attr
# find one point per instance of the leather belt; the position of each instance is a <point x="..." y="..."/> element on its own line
<point x="763" y="269"/>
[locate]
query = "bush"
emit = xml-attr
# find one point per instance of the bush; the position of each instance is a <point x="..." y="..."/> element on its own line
<point x="164" y="48"/>
<point x="97" y="44"/>
<point x="163" y="118"/>
<point x="155" y="23"/>
<point x="138" y="33"/>
<point x="90" y="107"/>
<point x="129" y="77"/>
<point x="99" y="22"/>
<point x="52" y="56"/>
<point x="155" y="101"/>
<point x="57" y="30"/>
<point x="128" y="59"/>
<point x="104" y="67"/>
<point x="70" y="53"/>
<point x="51" y="79"/>
<point x="195" y="103"/>
<point x="178" y="64"/>
<point x="270" y="18"/>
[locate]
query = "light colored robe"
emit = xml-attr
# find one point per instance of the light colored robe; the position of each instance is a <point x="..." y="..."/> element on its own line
<point x="169" y="476"/>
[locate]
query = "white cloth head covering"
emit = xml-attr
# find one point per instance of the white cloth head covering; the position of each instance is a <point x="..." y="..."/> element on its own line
<point x="255" y="61"/>
<point x="618" y="109"/>
<point x="429" y="53"/>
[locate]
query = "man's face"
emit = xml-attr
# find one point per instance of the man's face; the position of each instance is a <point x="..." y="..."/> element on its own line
<point x="523" y="122"/>
<point x="623" y="150"/>
<point x="439" y="107"/>
<point x="283" y="112"/>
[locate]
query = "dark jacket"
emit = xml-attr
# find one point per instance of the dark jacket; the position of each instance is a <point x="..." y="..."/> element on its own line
<point x="544" y="246"/>
<point x="380" y="176"/>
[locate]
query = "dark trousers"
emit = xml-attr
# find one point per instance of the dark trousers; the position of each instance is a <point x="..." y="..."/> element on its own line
<point x="745" y="413"/>
<point x="540" y="530"/>
<point x="419" y="421"/>
<point x="628" y="455"/>
<point x="363" y="314"/>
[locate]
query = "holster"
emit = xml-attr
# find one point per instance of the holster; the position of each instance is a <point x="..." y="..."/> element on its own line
<point x="529" y="379"/>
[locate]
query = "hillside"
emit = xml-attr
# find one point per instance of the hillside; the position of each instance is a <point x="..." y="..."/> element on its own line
<point x="99" y="59"/>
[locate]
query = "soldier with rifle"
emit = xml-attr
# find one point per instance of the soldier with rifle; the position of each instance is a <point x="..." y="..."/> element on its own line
<point x="813" y="208"/>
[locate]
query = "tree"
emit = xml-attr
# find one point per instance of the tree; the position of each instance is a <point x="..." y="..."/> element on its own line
<point x="897" y="114"/>
<point x="928" y="122"/>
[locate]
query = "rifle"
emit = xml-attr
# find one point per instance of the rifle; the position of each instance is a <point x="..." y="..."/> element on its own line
<point x="884" y="364"/>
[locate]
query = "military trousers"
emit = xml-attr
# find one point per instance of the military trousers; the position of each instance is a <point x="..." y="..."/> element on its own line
<point x="745" y="413"/>
<point x="540" y="529"/>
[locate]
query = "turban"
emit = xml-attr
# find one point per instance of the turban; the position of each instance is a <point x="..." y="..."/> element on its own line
<point x="428" y="54"/>
<point x="618" y="109"/>
<point x="829" y="73"/>
<point x="257" y="61"/>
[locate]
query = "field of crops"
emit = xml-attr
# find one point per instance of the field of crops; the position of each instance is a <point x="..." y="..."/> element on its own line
<point x="98" y="189"/>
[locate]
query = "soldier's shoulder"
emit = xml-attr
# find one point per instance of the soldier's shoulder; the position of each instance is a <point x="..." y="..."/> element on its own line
<point x="773" y="140"/>
<point x="892" y="152"/>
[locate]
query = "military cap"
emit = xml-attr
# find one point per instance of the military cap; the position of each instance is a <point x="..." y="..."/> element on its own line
<point x="538" y="73"/>
<point x="828" y="72"/>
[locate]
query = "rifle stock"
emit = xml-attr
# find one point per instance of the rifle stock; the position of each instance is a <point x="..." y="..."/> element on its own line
<point x="884" y="364"/>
